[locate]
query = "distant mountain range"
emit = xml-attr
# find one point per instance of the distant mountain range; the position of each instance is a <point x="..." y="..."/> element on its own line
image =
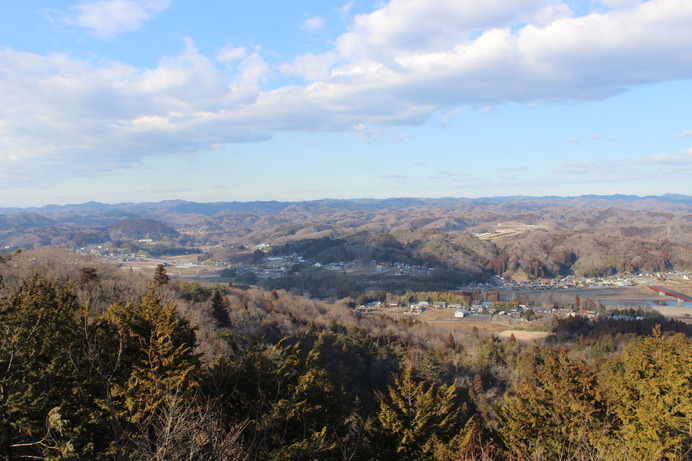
<point x="538" y="236"/>
<point x="102" y="212"/>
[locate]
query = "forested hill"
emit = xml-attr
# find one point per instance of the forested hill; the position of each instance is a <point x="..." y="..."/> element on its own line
<point x="528" y="237"/>
<point x="99" y="363"/>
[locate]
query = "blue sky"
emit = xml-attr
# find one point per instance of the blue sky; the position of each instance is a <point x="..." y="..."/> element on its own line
<point x="148" y="100"/>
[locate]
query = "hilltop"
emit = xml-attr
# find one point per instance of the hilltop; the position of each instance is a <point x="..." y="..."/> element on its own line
<point x="463" y="240"/>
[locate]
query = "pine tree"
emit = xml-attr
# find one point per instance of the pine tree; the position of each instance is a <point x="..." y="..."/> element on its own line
<point x="39" y="371"/>
<point x="554" y="412"/>
<point x="418" y="419"/>
<point x="288" y="402"/>
<point x="649" y="391"/>
<point x="160" y="275"/>
<point x="451" y="343"/>
<point x="478" y="394"/>
<point x="159" y="364"/>
<point x="88" y="275"/>
<point x="219" y="309"/>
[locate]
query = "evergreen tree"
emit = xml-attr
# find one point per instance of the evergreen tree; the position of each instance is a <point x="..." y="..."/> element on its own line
<point x="478" y="395"/>
<point x="39" y="372"/>
<point x="88" y="275"/>
<point x="158" y="362"/>
<point x="418" y="420"/>
<point x="288" y="403"/>
<point x="219" y="309"/>
<point x="554" y="412"/>
<point x="160" y="275"/>
<point x="649" y="391"/>
<point x="451" y="343"/>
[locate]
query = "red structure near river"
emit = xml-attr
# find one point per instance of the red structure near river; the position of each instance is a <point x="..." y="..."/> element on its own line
<point x="682" y="298"/>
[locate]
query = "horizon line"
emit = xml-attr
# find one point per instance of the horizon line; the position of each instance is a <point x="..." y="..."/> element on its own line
<point x="356" y="199"/>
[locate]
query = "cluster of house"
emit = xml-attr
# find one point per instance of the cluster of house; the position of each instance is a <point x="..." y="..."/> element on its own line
<point x="488" y="311"/>
<point x="573" y="281"/>
<point x="110" y="253"/>
<point x="485" y="309"/>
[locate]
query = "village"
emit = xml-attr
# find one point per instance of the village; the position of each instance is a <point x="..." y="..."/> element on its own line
<point x="541" y="297"/>
<point x="505" y="313"/>
<point x="267" y="267"/>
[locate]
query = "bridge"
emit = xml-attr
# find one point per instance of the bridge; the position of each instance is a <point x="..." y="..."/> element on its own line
<point x="682" y="298"/>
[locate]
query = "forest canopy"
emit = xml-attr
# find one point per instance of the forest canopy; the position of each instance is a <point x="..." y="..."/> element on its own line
<point x="99" y="363"/>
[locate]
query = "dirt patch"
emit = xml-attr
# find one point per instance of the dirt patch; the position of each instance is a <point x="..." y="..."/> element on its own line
<point x="523" y="336"/>
<point x="443" y="320"/>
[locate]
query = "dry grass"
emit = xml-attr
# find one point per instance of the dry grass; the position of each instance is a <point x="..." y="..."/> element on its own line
<point x="524" y="336"/>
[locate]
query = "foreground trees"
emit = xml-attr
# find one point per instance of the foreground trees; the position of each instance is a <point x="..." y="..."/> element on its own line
<point x="638" y="406"/>
<point x="418" y="420"/>
<point x="127" y="381"/>
<point x="73" y="385"/>
<point x="554" y="411"/>
<point x="649" y="391"/>
<point x="41" y="369"/>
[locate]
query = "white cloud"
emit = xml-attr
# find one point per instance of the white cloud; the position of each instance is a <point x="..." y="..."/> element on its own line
<point x="686" y="133"/>
<point x="398" y="65"/>
<point x="419" y="26"/>
<point x="230" y="53"/>
<point x="108" y="18"/>
<point x="311" y="67"/>
<point x="345" y="9"/>
<point x="680" y="159"/>
<point x="61" y="115"/>
<point x="313" y="24"/>
<point x="455" y="52"/>
<point x="445" y="117"/>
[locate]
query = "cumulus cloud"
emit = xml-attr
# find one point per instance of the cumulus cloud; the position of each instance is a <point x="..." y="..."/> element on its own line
<point x="310" y="66"/>
<point x="58" y="110"/>
<point x="108" y="18"/>
<point x="686" y="133"/>
<point x="404" y="27"/>
<point x="459" y="53"/>
<point x="399" y="65"/>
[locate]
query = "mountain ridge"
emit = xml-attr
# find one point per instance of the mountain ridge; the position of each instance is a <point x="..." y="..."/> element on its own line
<point x="275" y="206"/>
